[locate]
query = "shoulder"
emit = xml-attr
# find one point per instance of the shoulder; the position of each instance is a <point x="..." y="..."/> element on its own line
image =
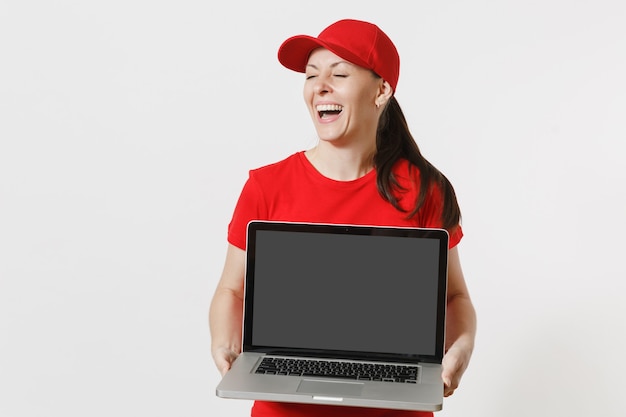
<point x="283" y="166"/>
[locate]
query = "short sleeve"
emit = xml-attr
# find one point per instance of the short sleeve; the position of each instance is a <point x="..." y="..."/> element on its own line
<point x="430" y="215"/>
<point x="455" y="236"/>
<point x="250" y="206"/>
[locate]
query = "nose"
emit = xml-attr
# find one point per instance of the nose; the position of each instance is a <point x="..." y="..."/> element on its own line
<point x="322" y="84"/>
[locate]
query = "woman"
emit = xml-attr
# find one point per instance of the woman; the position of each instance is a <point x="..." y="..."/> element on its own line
<point x="365" y="169"/>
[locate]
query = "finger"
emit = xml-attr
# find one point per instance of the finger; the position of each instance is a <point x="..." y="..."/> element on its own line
<point x="449" y="372"/>
<point x="223" y="365"/>
<point x="223" y="358"/>
<point x="450" y="375"/>
<point x="448" y="388"/>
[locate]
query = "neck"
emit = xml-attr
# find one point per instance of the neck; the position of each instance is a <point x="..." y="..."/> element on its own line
<point x="341" y="164"/>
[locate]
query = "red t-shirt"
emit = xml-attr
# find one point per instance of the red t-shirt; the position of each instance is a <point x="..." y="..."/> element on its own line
<point x="293" y="190"/>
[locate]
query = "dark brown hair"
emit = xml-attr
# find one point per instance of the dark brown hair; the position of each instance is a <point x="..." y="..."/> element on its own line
<point x="394" y="142"/>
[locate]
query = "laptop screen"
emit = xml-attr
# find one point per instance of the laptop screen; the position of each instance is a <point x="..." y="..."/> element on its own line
<point x="349" y="289"/>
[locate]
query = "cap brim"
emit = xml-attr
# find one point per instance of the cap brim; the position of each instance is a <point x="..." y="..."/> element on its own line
<point x="294" y="52"/>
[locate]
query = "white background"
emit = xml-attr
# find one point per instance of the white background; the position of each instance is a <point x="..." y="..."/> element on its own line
<point x="127" y="128"/>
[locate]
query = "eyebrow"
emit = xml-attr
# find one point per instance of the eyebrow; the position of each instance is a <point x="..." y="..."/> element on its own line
<point x="333" y="65"/>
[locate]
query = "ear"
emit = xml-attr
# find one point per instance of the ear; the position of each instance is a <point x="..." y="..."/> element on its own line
<point x="384" y="94"/>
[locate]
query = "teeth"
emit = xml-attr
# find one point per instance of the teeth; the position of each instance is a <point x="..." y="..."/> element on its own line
<point x="329" y="107"/>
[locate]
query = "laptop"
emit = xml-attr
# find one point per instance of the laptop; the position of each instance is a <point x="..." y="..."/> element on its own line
<point x="342" y="314"/>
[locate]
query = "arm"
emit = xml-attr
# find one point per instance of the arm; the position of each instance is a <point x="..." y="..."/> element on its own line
<point x="460" y="325"/>
<point x="226" y="311"/>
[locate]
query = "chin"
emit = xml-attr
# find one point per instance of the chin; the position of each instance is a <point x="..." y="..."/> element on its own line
<point x="327" y="136"/>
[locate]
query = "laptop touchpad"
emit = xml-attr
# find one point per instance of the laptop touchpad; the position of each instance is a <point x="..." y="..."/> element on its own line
<point x="336" y="389"/>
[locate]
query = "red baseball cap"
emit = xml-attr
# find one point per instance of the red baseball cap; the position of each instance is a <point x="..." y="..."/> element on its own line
<point x="361" y="43"/>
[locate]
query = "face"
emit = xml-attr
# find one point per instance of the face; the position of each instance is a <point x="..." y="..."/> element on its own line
<point x="342" y="98"/>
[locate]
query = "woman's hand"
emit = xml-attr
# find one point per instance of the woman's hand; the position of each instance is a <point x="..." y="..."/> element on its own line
<point x="224" y="358"/>
<point x="454" y="363"/>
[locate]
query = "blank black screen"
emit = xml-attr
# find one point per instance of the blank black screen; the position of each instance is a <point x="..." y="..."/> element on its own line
<point x="345" y="292"/>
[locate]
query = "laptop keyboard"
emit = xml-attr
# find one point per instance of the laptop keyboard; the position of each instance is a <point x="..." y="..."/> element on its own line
<point x="336" y="369"/>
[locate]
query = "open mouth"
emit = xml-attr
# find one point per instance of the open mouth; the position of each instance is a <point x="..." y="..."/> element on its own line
<point x="328" y="110"/>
